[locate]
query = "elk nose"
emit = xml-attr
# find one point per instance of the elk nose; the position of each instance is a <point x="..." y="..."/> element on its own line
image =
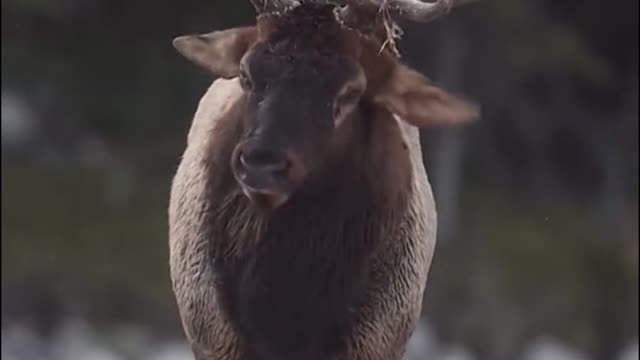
<point x="263" y="160"/>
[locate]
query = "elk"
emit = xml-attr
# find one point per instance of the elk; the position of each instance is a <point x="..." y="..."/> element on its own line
<point x="301" y="220"/>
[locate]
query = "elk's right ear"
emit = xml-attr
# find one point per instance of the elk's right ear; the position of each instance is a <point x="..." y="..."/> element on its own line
<point x="416" y="100"/>
<point x="218" y="52"/>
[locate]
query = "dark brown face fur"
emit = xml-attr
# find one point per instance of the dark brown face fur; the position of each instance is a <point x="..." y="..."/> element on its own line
<point x="302" y="87"/>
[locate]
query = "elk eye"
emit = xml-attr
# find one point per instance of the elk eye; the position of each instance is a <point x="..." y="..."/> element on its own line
<point x="346" y="98"/>
<point x="245" y="81"/>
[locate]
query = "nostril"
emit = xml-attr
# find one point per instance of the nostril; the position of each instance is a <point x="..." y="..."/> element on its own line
<point x="264" y="160"/>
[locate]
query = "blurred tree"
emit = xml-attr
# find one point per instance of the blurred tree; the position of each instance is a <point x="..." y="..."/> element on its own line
<point x="538" y="201"/>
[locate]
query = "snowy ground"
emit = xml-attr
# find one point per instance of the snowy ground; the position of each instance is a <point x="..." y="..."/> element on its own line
<point x="77" y="340"/>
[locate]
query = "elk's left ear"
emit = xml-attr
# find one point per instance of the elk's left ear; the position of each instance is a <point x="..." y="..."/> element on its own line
<point x="417" y="101"/>
<point x="218" y="52"/>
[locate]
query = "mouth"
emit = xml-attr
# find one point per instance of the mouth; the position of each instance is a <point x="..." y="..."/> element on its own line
<point x="266" y="200"/>
<point x="264" y="190"/>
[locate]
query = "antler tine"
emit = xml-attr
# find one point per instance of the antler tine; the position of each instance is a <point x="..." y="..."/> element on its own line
<point x="419" y="11"/>
<point x="263" y="6"/>
<point x="415" y="10"/>
<point x="358" y="14"/>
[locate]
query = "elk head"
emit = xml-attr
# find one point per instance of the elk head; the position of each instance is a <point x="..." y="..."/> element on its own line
<point x="306" y="70"/>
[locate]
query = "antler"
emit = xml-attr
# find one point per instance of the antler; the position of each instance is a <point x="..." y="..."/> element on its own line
<point x="419" y="11"/>
<point x="415" y="10"/>
<point x="359" y="13"/>
<point x="264" y="6"/>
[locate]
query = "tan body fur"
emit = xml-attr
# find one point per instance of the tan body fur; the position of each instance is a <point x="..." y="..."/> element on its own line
<point x="396" y="278"/>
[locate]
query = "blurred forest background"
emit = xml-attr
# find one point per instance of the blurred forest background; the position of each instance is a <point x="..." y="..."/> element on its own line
<point x="538" y="248"/>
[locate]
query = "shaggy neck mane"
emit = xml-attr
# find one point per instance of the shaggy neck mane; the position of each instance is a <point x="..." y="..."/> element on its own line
<point x="292" y="279"/>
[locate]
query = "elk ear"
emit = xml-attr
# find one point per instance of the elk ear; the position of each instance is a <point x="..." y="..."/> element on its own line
<point x="412" y="97"/>
<point x="218" y="52"/>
